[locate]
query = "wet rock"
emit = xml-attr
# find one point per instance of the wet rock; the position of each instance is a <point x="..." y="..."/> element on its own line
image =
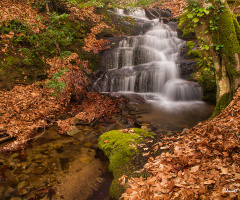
<point x="86" y="160"/>
<point x="2" y="162"/>
<point x="187" y="67"/>
<point x="40" y="158"/>
<point x="14" y="155"/>
<point x="39" y="170"/>
<point x="64" y="163"/>
<point x="53" y="165"/>
<point x="139" y="109"/>
<point x="22" y="185"/>
<point x="170" y="133"/>
<point x="22" y="191"/>
<point x="23" y="165"/>
<point x="88" y="144"/>
<point x="16" y="198"/>
<point x="57" y="145"/>
<point x="30" y="168"/>
<point x="134" y="98"/>
<point x="87" y="152"/>
<point x="146" y="128"/>
<point x="38" y="150"/>
<point x="80" y="122"/>
<point x="9" y="192"/>
<point x="74" y="131"/>
<point x="154" y="13"/>
<point x="18" y="171"/>
<point x="10" y="176"/>
<point x="2" y="190"/>
<point x="34" y="181"/>
<point x="184" y="130"/>
<point x="52" y="179"/>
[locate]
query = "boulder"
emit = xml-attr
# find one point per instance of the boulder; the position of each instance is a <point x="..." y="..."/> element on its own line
<point x="187" y="67"/>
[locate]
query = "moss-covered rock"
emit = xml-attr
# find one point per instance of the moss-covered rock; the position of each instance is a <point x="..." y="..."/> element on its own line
<point x="191" y="44"/>
<point x="185" y="27"/>
<point x="193" y="52"/>
<point x="205" y="76"/>
<point x="119" y="147"/>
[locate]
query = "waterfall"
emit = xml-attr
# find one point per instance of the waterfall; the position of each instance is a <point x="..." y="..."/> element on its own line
<point x="146" y="65"/>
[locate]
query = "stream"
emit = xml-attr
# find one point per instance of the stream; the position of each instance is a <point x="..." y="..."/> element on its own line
<point x="142" y="69"/>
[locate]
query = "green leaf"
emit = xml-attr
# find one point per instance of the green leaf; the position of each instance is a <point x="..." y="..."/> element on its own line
<point x="206" y="31"/>
<point x="195" y="20"/>
<point x="206" y="12"/>
<point x="190" y="16"/>
<point x="200" y="14"/>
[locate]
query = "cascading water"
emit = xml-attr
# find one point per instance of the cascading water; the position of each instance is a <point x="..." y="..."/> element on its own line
<point x="146" y="65"/>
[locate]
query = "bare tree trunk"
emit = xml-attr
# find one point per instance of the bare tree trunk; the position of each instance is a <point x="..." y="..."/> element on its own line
<point x="218" y="32"/>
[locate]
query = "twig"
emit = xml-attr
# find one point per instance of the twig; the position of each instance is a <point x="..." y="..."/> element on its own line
<point x="120" y="124"/>
<point x="38" y="135"/>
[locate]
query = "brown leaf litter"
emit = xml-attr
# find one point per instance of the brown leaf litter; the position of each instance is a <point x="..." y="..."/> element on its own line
<point x="202" y="163"/>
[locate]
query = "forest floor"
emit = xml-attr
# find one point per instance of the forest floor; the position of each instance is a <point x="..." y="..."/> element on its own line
<point x="199" y="163"/>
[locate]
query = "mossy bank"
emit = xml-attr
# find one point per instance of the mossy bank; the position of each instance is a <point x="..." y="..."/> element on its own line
<point x="120" y="147"/>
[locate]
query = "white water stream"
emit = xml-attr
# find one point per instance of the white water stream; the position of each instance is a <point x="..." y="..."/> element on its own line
<point x="146" y="65"/>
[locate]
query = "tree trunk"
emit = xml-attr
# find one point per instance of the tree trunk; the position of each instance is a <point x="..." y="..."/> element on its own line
<point x="218" y="35"/>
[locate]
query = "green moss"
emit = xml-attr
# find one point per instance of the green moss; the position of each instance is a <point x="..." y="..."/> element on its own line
<point x="229" y="39"/>
<point x="191" y="44"/>
<point x="194" y="54"/>
<point x="10" y="61"/>
<point x="222" y="103"/>
<point x="205" y="76"/>
<point x="237" y="28"/>
<point x="119" y="147"/>
<point x="186" y="27"/>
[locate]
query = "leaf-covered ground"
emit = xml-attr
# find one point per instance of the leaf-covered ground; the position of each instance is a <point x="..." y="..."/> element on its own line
<point x="201" y="163"/>
<point x="25" y="109"/>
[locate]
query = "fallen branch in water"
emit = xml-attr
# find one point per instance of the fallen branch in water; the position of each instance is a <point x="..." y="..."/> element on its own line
<point x="5" y="138"/>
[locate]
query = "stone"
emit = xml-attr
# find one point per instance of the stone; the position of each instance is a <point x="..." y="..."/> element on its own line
<point x="30" y="168"/>
<point x="22" y="185"/>
<point x="56" y="145"/>
<point x="145" y="128"/>
<point x="10" y="176"/>
<point x="74" y="131"/>
<point x="39" y="170"/>
<point x="18" y="171"/>
<point x="14" y="155"/>
<point x="184" y="131"/>
<point x="169" y="133"/>
<point x="16" y="198"/>
<point x="86" y="160"/>
<point x="64" y="163"/>
<point x="2" y="190"/>
<point x="22" y="191"/>
<point x="88" y="144"/>
<point x="34" y="181"/>
<point x="9" y="191"/>
<point x="187" y="68"/>
<point x="2" y="162"/>
<point x="23" y="165"/>
<point x="87" y="152"/>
